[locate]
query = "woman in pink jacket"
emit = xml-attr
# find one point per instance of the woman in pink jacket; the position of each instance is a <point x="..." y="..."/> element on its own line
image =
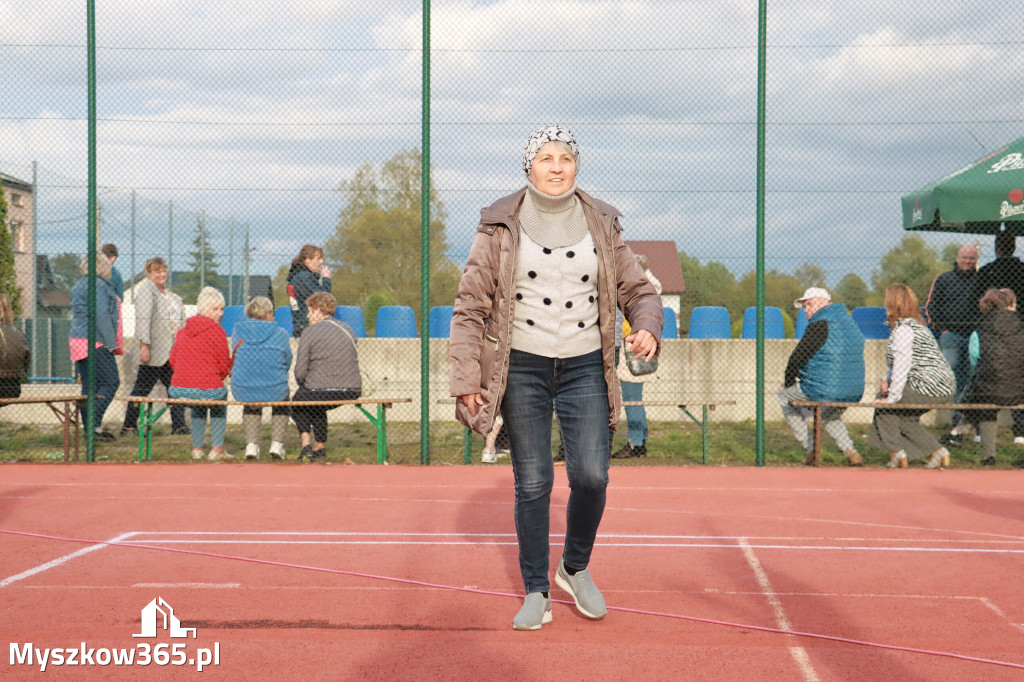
<point x="533" y="332"/>
<point x="201" y="362"/>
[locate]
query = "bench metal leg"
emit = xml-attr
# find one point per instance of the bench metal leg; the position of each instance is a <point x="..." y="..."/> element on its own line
<point x="703" y="430"/>
<point x="467" y="446"/>
<point x="146" y="421"/>
<point x="382" y="432"/>
<point x="817" y="435"/>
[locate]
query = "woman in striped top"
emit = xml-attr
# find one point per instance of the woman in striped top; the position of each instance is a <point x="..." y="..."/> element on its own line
<point x="917" y="374"/>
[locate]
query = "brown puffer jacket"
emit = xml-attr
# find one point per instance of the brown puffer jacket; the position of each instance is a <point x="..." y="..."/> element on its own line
<point x="14" y="352"/>
<point x="482" y="321"/>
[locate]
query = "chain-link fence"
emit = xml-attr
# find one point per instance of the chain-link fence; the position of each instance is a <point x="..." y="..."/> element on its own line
<point x="229" y="137"/>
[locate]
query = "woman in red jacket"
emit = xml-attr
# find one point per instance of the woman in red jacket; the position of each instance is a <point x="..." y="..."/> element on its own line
<point x="201" y="361"/>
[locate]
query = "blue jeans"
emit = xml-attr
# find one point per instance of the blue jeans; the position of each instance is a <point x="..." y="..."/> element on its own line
<point x="218" y="414"/>
<point x="636" y="415"/>
<point x="107" y="382"/>
<point x="954" y="348"/>
<point x="575" y="387"/>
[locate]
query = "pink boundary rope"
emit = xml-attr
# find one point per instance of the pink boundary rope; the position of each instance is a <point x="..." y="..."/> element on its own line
<point x="418" y="583"/>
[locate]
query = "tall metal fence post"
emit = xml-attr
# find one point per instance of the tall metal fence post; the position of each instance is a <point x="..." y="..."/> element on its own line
<point x="425" y="246"/>
<point x="90" y="363"/>
<point x="762" y="32"/>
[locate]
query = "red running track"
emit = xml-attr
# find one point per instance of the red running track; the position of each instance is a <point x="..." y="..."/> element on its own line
<point x="904" y="562"/>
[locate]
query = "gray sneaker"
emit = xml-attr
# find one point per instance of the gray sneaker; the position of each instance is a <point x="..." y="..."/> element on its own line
<point x="583" y="591"/>
<point x="536" y="611"/>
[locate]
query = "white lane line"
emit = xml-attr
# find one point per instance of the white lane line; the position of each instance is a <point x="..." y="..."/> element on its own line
<point x="650" y="545"/>
<point x="798" y="653"/>
<point x="632" y="536"/>
<point x="215" y="586"/>
<point x="60" y="561"/>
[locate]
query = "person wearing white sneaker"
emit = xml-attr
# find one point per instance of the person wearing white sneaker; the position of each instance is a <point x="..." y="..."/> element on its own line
<point x="263" y="357"/>
<point x="201" y="360"/>
<point x="490" y="453"/>
<point x="533" y="332"/>
<point x="917" y="374"/>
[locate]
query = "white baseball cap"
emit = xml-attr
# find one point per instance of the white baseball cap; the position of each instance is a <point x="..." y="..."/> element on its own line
<point x="813" y="292"/>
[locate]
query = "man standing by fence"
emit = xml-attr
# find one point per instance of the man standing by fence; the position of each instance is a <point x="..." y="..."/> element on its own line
<point x="952" y="310"/>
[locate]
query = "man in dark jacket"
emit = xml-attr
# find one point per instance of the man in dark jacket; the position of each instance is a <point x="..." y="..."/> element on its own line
<point x="828" y="363"/>
<point x="952" y="310"/>
<point x="1005" y="272"/>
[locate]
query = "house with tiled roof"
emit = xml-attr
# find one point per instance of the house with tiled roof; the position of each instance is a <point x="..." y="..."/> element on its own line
<point x="663" y="261"/>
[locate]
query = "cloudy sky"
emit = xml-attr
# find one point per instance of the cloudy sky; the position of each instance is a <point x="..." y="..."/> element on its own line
<point x="255" y="112"/>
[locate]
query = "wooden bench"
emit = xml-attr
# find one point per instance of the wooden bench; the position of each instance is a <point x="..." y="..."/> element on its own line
<point x="66" y="415"/>
<point x="816" y="407"/>
<point x="705" y="403"/>
<point x="147" y="417"/>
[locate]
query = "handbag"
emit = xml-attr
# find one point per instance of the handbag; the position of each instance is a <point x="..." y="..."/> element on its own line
<point x="638" y="367"/>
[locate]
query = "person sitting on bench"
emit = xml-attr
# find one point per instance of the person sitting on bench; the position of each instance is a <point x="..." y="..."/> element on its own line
<point x="828" y="363"/>
<point x="326" y="368"/>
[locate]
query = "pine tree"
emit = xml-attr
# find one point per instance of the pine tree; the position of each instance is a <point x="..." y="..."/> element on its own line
<point x="8" y="279"/>
<point x="202" y="260"/>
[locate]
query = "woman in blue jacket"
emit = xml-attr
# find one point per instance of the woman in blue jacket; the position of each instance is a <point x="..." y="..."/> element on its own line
<point x="263" y="357"/>
<point x="107" y="312"/>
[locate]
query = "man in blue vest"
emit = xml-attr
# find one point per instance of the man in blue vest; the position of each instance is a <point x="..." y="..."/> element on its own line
<point x="827" y="366"/>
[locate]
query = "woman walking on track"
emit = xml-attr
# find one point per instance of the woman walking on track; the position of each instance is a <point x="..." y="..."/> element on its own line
<point x="520" y="349"/>
<point x="918" y="374"/>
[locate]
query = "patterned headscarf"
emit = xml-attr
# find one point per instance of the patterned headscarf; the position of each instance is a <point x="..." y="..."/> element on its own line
<point x="547" y="134"/>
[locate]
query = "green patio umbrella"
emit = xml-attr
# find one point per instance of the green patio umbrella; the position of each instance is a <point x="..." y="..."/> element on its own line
<point x="977" y="199"/>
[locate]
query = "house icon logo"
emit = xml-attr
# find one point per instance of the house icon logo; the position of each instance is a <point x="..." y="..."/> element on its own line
<point x="151" y="613"/>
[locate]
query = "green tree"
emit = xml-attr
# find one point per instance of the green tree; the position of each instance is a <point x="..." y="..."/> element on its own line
<point x="852" y="291"/>
<point x="202" y="260"/>
<point x="64" y="270"/>
<point x="8" y="278"/>
<point x="376" y="248"/>
<point x="711" y="284"/>
<point x="780" y="290"/>
<point x="279" y="285"/>
<point x="911" y="262"/>
<point x="810" y="275"/>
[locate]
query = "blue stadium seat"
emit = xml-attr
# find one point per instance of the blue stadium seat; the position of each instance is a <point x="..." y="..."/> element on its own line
<point x="395" y="322"/>
<point x="352" y="315"/>
<point x="671" y="330"/>
<point x="441" y="321"/>
<point x="773" y="326"/>
<point x="233" y="314"/>
<point x="283" y="317"/>
<point x="871" y="320"/>
<point x="801" y="325"/>
<point x="710" y="322"/>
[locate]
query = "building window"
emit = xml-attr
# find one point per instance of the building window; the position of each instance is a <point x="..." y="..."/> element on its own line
<point x="18" y="236"/>
<point x="17" y="199"/>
